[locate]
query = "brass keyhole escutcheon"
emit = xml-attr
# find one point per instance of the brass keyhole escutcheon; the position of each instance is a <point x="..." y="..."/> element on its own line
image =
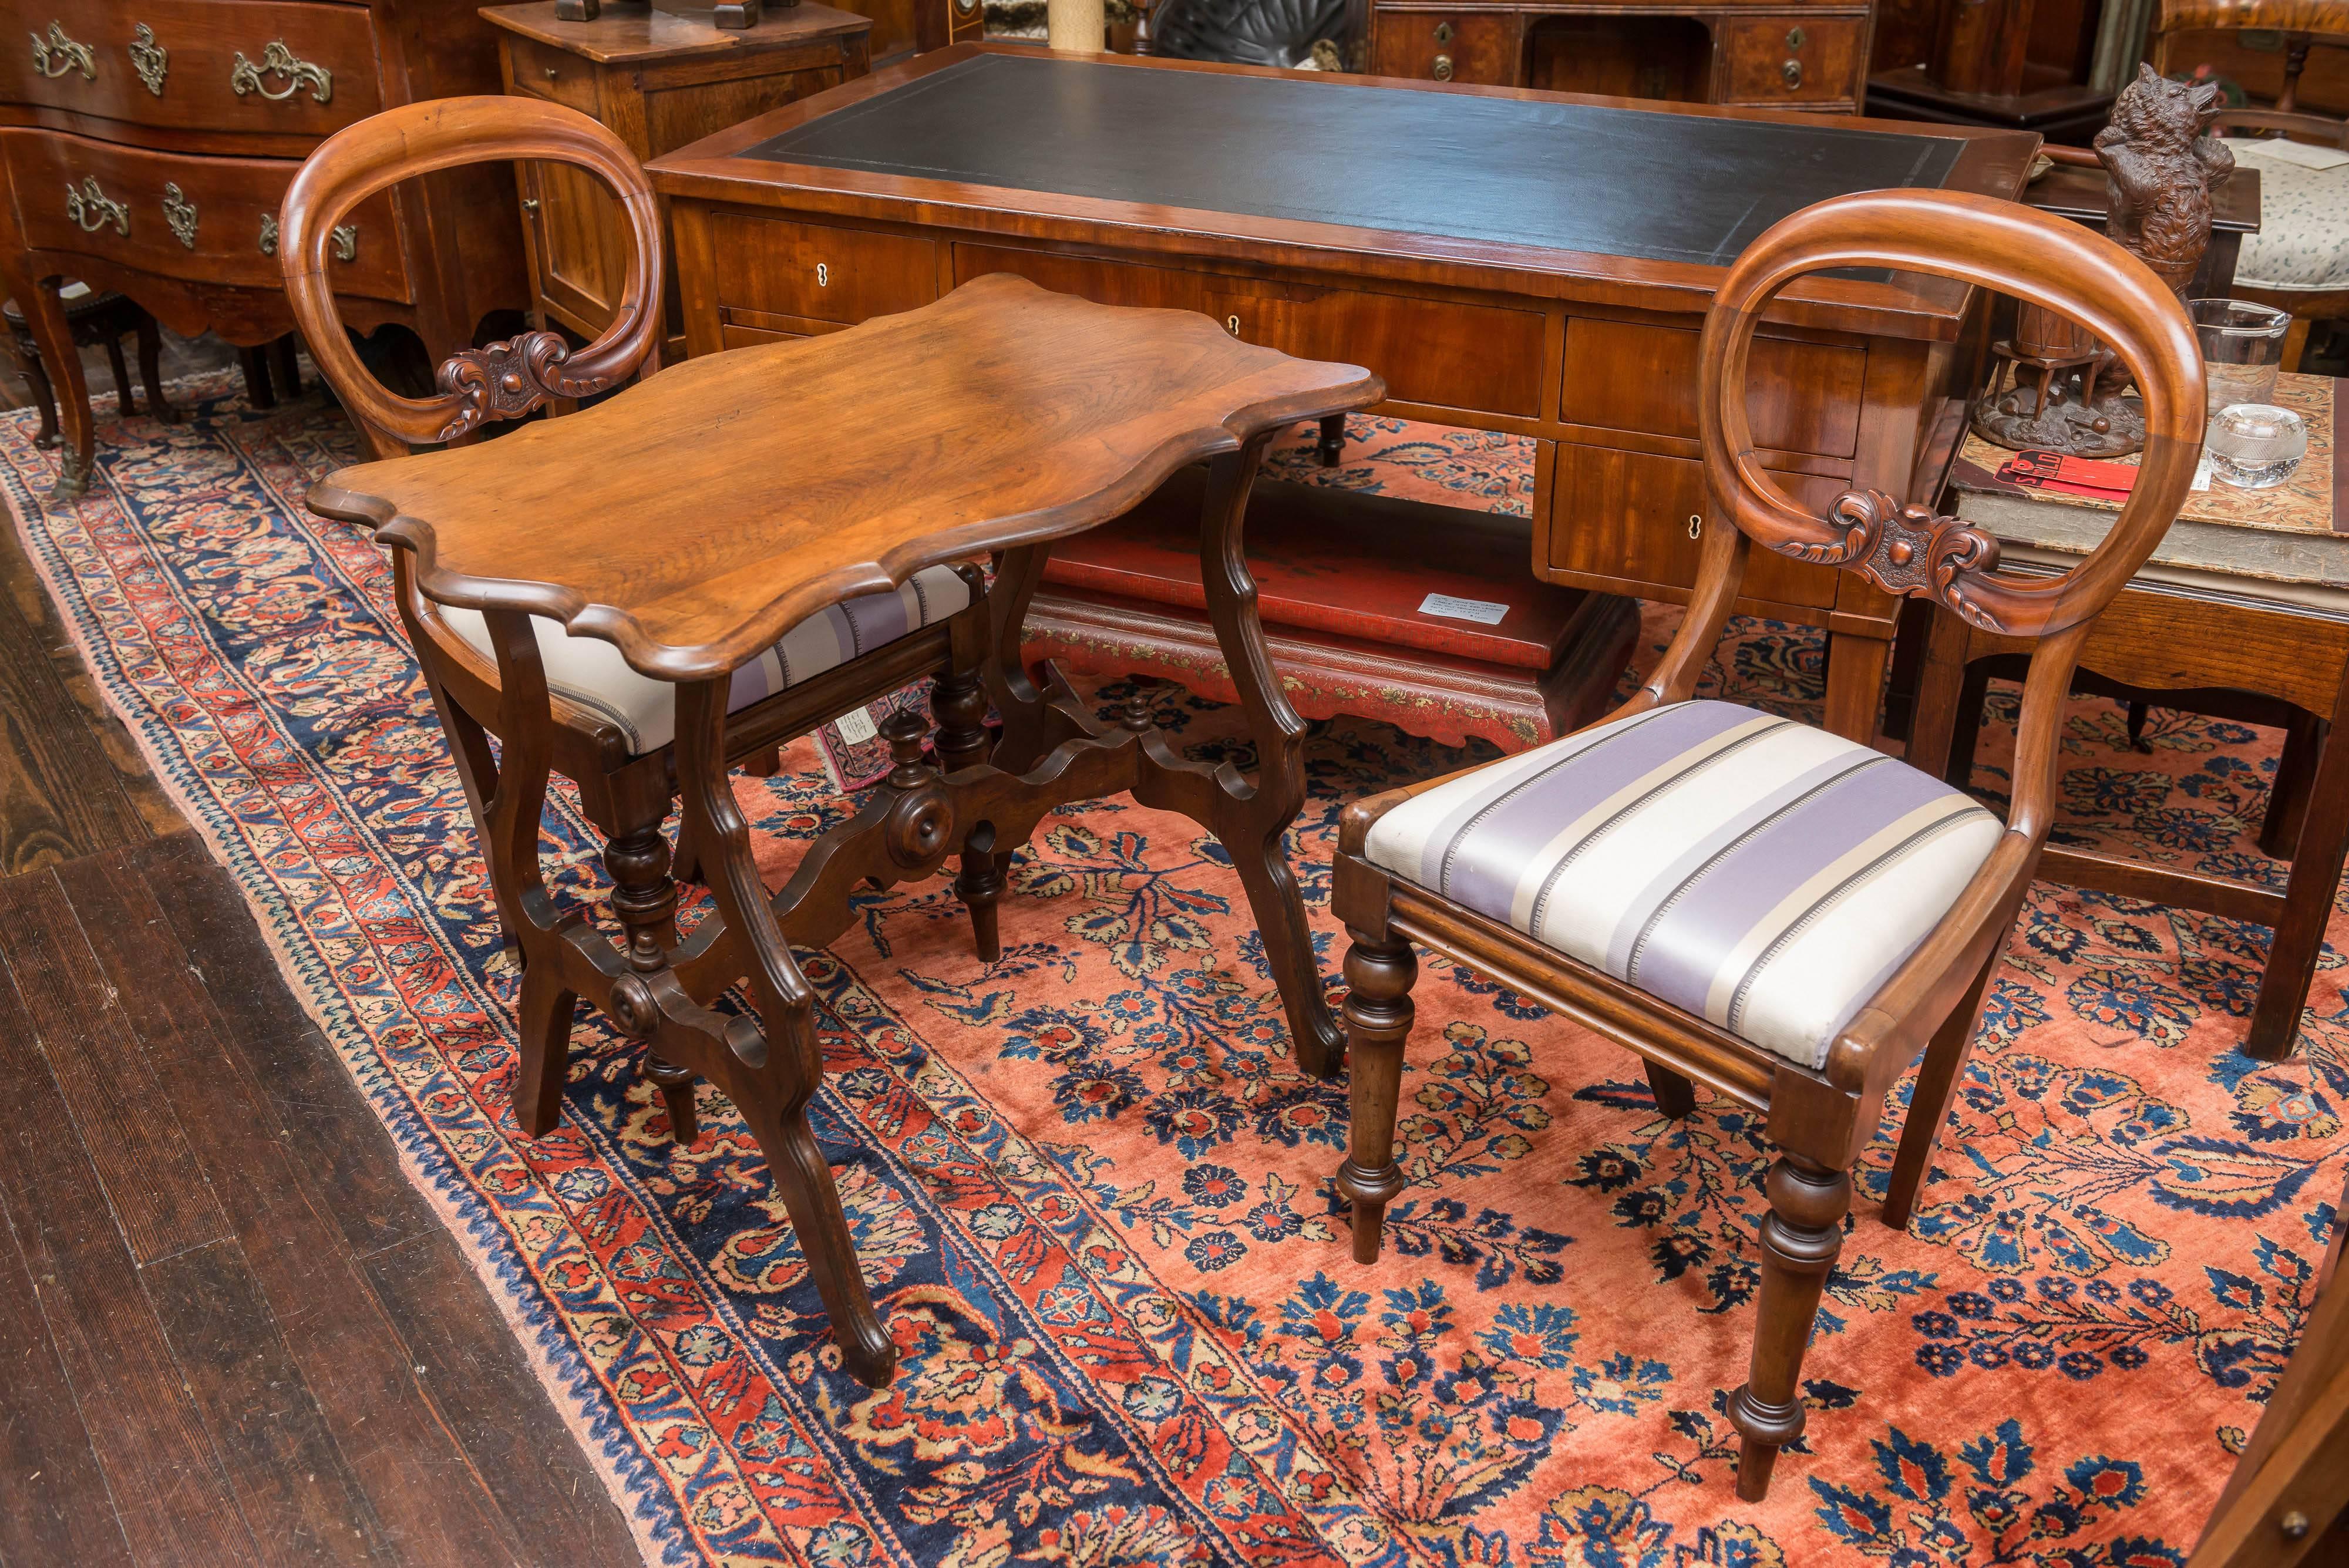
<point x="1232" y="325"/>
<point x="1794" y="36"/>
<point x="1443" y="67"/>
<point x="1696" y="524"/>
<point x="1444" y="32"/>
<point x="1793" y="71"/>
<point x="823" y="275"/>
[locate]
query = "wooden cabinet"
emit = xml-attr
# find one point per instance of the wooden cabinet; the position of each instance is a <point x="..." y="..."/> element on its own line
<point x="147" y="147"/>
<point x="1781" y="53"/>
<point x="659" y="82"/>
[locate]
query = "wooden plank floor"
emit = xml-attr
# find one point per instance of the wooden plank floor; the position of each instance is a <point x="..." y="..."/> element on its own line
<point x="231" y="1331"/>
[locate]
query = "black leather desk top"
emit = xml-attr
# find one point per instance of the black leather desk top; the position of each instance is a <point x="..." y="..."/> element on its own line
<point x="1563" y="176"/>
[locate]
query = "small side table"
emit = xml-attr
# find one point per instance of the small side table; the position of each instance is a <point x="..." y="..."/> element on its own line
<point x="93" y="319"/>
<point x="659" y="82"/>
<point x="2242" y="611"/>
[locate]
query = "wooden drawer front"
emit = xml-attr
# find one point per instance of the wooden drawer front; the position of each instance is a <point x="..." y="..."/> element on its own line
<point x="1102" y="281"/>
<point x="1480" y="46"/>
<point x="99" y="199"/>
<point x="1789" y="60"/>
<point x="785" y="269"/>
<point x="551" y="74"/>
<point x="1626" y="514"/>
<point x="190" y="49"/>
<point x="1800" y="397"/>
<point x="1476" y="356"/>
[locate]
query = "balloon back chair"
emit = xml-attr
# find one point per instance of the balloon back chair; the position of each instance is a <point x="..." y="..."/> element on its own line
<point x="1745" y="902"/>
<point x="614" y="728"/>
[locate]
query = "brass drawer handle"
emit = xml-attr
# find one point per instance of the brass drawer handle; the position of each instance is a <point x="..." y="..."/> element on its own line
<point x="1443" y="67"/>
<point x="91" y="209"/>
<point x="1444" y="32"/>
<point x="1794" y="36"/>
<point x="530" y="205"/>
<point x="277" y="60"/>
<point x="58" y="54"/>
<point x="150" y="59"/>
<point x="180" y="213"/>
<point x="345" y="235"/>
<point x="1793" y="71"/>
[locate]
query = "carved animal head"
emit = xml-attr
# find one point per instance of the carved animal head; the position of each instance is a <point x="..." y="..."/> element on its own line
<point x="2156" y="113"/>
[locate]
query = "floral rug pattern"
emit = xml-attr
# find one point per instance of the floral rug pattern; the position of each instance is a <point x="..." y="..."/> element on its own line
<point x="1090" y="1190"/>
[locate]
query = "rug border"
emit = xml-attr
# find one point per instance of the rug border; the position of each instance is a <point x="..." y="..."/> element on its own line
<point x="578" y="1409"/>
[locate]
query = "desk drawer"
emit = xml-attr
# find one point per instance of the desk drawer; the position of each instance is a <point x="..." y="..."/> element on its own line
<point x="1102" y="281"/>
<point x="1626" y="515"/>
<point x="1790" y="59"/>
<point x="784" y="268"/>
<point x="1481" y="357"/>
<point x="179" y="215"/>
<point x="1479" y="47"/>
<point x="176" y="63"/>
<point x="1800" y="397"/>
<point x="549" y="73"/>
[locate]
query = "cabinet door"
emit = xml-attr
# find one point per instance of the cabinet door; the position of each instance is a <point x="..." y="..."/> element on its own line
<point x="581" y="234"/>
<point x="1639" y="520"/>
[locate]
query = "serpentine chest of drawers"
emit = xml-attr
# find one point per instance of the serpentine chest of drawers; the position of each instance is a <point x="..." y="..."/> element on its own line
<point x="147" y="144"/>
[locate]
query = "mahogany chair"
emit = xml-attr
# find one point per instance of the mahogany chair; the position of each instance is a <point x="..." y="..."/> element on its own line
<point x="1747" y="902"/>
<point x="615" y="727"/>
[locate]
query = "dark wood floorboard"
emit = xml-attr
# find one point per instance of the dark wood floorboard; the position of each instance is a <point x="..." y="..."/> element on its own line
<point x="230" y="1330"/>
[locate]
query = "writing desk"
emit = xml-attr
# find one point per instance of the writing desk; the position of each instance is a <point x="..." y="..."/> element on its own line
<point x="1533" y="263"/>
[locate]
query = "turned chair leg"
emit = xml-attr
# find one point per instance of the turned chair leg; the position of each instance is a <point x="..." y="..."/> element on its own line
<point x="150" y="371"/>
<point x="958" y="702"/>
<point x="1801" y="1235"/>
<point x="644" y="898"/>
<point x="1675" y="1095"/>
<point x="1379" y="974"/>
<point x="126" y="402"/>
<point x="1331" y="447"/>
<point x="1938" y="1077"/>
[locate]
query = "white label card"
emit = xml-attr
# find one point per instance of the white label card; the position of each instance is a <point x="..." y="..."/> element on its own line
<point x="858" y="727"/>
<point x="1484" y="612"/>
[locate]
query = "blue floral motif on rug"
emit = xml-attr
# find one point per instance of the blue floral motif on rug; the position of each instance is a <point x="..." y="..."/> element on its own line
<point x="1090" y="1191"/>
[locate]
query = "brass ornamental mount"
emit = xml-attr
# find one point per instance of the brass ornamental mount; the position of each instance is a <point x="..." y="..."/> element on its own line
<point x="91" y="209"/>
<point x="180" y="213"/>
<point x="57" y="55"/>
<point x="277" y="60"/>
<point x="148" y="58"/>
<point x="346" y="237"/>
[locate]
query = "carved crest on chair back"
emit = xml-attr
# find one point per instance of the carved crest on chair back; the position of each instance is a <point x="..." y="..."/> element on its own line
<point x="508" y="379"/>
<point x="1904" y="549"/>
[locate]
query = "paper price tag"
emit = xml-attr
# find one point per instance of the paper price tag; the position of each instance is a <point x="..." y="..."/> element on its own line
<point x="1484" y="612"/>
<point x="858" y="727"/>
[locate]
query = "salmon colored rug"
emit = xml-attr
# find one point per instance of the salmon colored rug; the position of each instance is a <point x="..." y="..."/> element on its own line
<point x="1090" y="1189"/>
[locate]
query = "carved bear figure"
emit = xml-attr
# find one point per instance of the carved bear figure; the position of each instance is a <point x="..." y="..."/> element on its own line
<point x="2160" y="164"/>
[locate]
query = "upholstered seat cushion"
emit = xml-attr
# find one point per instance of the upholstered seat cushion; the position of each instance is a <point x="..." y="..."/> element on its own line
<point x="1761" y="873"/>
<point x="2303" y="238"/>
<point x="591" y="672"/>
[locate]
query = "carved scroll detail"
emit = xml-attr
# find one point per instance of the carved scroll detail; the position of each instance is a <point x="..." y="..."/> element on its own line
<point x="507" y="380"/>
<point x="1906" y="549"/>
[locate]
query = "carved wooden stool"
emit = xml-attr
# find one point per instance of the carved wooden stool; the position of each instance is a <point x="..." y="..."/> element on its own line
<point x="695" y="525"/>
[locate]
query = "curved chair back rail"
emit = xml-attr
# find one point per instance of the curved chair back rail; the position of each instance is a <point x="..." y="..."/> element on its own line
<point x="2015" y="250"/>
<point x="505" y="380"/>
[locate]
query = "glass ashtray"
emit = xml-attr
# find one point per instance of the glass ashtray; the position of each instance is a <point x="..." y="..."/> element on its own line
<point x="2255" y="446"/>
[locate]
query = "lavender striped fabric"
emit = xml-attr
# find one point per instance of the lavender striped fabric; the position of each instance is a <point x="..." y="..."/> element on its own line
<point x="592" y="673"/>
<point x="1761" y="873"/>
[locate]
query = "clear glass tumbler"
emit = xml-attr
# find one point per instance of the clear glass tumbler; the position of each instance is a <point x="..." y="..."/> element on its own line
<point x="2243" y="349"/>
<point x="2253" y="446"/>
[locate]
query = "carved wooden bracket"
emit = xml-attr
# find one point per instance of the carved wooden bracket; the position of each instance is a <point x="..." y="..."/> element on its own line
<point x="507" y="380"/>
<point x="1906" y="550"/>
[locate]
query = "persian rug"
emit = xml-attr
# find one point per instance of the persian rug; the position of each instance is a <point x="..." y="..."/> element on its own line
<point x="1089" y="1188"/>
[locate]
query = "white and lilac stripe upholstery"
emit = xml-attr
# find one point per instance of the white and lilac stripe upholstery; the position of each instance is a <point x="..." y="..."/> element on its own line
<point x="1761" y="873"/>
<point x="591" y="673"/>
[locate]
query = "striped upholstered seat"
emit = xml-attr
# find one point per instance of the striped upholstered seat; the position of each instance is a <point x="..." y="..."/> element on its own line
<point x="1764" y="874"/>
<point x="591" y="673"/>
